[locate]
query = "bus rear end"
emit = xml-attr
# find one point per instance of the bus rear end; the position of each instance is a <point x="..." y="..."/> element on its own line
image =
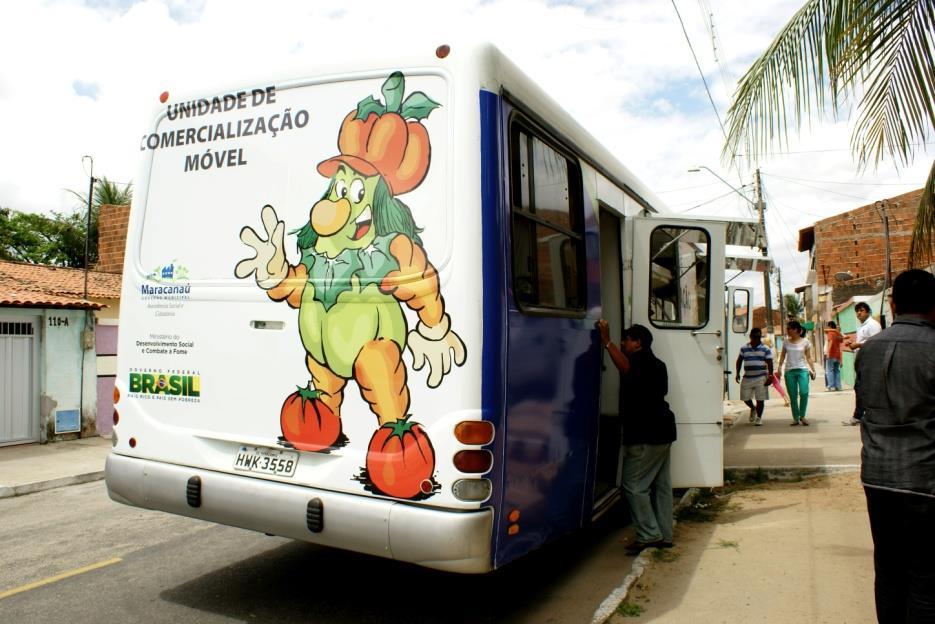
<point x="294" y="355"/>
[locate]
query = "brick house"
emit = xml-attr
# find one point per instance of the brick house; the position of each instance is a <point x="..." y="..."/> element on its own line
<point x="852" y="245"/>
<point x="854" y="242"/>
<point x="759" y="318"/>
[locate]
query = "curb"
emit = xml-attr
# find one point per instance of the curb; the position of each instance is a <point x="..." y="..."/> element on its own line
<point x="609" y="605"/>
<point x="40" y="486"/>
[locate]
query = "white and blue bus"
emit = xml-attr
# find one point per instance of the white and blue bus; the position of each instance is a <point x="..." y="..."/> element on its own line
<point x="359" y="310"/>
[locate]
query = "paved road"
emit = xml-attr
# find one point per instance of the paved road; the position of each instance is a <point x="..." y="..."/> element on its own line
<point x="71" y="555"/>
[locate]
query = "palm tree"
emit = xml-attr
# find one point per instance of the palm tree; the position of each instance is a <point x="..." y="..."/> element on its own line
<point x="835" y="53"/>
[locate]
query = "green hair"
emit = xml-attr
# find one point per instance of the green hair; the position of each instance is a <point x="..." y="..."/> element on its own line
<point x="390" y="215"/>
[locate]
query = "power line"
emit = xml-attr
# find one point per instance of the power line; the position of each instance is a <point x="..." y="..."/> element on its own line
<point x="703" y="80"/>
<point x="790" y="178"/>
<point x="705" y="203"/>
<point x="786" y="240"/>
<point x="818" y="188"/>
<point x="687" y="188"/>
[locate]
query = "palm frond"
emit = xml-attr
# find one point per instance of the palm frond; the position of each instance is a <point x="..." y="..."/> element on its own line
<point x="891" y="53"/>
<point x="797" y="60"/>
<point x="922" y="249"/>
<point x="107" y="192"/>
<point x="881" y="50"/>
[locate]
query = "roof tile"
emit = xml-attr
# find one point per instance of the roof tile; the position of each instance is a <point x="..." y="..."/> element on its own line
<point x="38" y="285"/>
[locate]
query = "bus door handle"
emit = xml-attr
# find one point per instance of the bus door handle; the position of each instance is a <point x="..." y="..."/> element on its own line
<point x="716" y="332"/>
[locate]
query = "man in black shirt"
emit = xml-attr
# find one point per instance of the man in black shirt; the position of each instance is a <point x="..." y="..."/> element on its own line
<point x="895" y="391"/>
<point x="648" y="434"/>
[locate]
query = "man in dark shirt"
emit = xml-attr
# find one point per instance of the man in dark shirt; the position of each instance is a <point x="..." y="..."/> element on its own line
<point x="896" y="407"/>
<point x="648" y="434"/>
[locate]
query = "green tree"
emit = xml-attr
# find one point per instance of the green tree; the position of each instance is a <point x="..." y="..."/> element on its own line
<point x="791" y="306"/>
<point x="58" y="239"/>
<point x="40" y="239"/>
<point x="832" y="54"/>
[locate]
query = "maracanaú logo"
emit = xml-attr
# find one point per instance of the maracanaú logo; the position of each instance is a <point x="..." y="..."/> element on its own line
<point x="171" y="282"/>
<point x="172" y="272"/>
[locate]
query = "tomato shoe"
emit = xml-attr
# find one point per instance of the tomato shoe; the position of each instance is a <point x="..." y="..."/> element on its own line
<point x="307" y="423"/>
<point x="401" y="460"/>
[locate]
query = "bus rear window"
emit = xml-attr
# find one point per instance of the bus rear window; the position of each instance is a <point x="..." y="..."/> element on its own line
<point x="217" y="161"/>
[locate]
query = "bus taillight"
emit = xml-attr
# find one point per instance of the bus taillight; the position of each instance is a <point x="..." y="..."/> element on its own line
<point x="476" y="462"/>
<point x="473" y="490"/>
<point x="477" y="432"/>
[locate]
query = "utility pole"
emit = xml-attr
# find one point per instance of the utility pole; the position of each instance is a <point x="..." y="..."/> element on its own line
<point x="886" y="239"/>
<point x="87" y="231"/>
<point x="758" y="188"/>
<point x="782" y="301"/>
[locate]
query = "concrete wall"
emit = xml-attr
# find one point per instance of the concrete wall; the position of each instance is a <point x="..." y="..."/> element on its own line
<point x="60" y="373"/>
<point x="111" y="312"/>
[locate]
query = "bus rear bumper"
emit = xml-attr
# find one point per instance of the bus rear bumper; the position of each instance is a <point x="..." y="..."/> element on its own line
<point x="443" y="540"/>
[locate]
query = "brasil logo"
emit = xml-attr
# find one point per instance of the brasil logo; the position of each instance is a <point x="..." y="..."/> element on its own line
<point x="169" y="384"/>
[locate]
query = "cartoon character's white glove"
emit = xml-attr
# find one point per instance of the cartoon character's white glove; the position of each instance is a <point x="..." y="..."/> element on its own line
<point x="434" y="345"/>
<point x="270" y="259"/>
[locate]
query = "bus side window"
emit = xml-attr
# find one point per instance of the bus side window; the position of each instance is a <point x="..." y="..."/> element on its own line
<point x="679" y="277"/>
<point x="548" y="245"/>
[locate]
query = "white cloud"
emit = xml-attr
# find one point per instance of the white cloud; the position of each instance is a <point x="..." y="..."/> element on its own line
<point x="622" y="68"/>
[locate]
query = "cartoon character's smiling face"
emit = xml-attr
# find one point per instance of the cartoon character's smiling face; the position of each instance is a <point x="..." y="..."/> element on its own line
<point x="343" y="219"/>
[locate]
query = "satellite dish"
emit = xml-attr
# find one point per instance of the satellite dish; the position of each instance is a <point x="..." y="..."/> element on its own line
<point x="843" y="276"/>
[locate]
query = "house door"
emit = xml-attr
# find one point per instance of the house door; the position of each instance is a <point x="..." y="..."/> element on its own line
<point x="19" y="410"/>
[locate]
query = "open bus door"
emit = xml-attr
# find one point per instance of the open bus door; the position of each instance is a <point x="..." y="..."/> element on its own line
<point x="739" y="323"/>
<point x="678" y="286"/>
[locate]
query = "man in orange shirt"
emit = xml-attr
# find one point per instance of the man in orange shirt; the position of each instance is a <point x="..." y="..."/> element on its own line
<point x="833" y="340"/>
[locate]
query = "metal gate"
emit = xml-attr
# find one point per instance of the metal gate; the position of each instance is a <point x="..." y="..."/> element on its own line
<point x="18" y="387"/>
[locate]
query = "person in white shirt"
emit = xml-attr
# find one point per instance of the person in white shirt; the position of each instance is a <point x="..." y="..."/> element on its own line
<point x="799" y="369"/>
<point x="868" y="327"/>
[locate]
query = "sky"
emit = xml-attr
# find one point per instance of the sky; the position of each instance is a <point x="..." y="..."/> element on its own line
<point x="80" y="77"/>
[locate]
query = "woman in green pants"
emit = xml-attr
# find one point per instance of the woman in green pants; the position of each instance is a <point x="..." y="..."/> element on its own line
<point x="799" y="369"/>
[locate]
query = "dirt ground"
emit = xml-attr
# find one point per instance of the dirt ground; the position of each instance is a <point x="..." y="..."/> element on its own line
<point x="775" y="552"/>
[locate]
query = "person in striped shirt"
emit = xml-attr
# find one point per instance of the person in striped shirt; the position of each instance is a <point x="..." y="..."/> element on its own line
<point x="757" y="362"/>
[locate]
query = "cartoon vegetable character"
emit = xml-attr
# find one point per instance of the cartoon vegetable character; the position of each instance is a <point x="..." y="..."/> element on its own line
<point x="361" y="258"/>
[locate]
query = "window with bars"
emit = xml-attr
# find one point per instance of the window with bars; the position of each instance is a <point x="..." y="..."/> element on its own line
<point x="13" y="328"/>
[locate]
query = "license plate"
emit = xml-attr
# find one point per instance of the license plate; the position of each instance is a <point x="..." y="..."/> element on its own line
<point x="266" y="460"/>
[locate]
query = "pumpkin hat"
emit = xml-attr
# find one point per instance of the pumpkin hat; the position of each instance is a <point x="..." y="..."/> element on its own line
<point x="386" y="139"/>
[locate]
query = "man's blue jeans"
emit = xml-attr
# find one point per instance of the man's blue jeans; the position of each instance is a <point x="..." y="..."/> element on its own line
<point x="833" y="373"/>
<point x="648" y="488"/>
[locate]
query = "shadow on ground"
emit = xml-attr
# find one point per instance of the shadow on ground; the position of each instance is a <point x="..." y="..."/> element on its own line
<point x="300" y="582"/>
